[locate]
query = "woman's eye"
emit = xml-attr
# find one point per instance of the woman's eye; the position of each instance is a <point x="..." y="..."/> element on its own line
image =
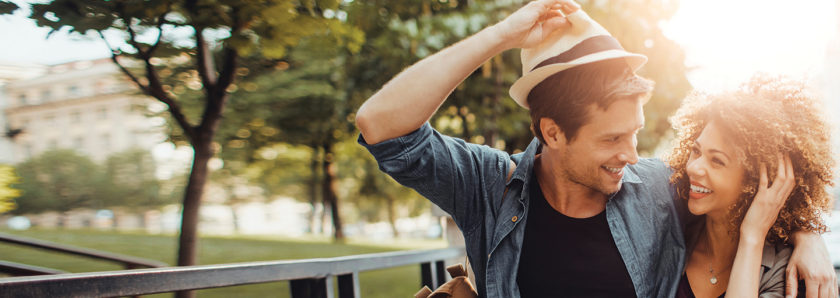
<point x="718" y="162"/>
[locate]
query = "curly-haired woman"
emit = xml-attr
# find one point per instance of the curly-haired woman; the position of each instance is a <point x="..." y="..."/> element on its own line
<point x="754" y="164"/>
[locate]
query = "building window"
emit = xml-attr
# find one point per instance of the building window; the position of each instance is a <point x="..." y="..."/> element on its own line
<point x="73" y="91"/>
<point x="22" y="99"/>
<point x="46" y="96"/>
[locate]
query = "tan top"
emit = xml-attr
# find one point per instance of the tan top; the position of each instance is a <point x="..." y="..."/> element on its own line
<point x="774" y="260"/>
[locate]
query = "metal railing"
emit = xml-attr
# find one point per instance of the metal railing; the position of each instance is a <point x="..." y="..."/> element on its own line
<point x="128" y="262"/>
<point x="307" y="278"/>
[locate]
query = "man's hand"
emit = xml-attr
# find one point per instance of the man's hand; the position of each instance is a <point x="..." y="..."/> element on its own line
<point x="810" y="261"/>
<point x="532" y="23"/>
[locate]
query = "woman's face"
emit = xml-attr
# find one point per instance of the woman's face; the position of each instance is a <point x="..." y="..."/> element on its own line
<point x="715" y="173"/>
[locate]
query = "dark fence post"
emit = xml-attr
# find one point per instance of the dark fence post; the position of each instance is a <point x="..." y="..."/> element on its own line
<point x="348" y="285"/>
<point x="440" y="273"/>
<point x="427" y="275"/>
<point x="311" y="288"/>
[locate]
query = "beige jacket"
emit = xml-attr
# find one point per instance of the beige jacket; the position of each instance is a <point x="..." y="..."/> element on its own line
<point x="774" y="260"/>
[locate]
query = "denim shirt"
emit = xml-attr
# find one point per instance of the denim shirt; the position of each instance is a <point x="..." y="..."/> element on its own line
<point x="468" y="182"/>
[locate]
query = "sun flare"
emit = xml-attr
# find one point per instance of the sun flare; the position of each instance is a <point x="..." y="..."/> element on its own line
<point x="727" y="41"/>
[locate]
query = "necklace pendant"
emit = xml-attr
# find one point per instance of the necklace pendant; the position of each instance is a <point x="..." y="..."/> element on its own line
<point x="713" y="280"/>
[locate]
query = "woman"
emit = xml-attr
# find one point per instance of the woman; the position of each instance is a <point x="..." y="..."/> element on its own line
<point x="754" y="164"/>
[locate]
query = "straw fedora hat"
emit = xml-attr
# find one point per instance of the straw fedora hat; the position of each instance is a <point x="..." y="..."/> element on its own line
<point x="585" y="41"/>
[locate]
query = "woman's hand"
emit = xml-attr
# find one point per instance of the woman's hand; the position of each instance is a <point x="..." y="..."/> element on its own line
<point x="768" y="201"/>
<point x="531" y="24"/>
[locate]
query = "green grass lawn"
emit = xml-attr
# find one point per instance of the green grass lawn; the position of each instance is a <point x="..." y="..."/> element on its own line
<point x="394" y="282"/>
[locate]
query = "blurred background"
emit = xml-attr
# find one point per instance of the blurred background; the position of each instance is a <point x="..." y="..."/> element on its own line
<point x="124" y="130"/>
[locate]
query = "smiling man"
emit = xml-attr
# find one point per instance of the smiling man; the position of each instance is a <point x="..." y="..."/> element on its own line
<point x="577" y="213"/>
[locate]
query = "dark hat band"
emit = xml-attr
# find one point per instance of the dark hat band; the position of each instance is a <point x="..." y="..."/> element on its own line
<point x="588" y="46"/>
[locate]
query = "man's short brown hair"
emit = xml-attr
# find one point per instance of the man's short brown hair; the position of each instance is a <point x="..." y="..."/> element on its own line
<point x="566" y="96"/>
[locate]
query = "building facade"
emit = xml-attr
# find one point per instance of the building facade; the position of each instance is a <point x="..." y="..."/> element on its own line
<point x="87" y="106"/>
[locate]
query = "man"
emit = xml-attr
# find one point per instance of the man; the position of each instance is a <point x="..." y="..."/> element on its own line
<point x="576" y="214"/>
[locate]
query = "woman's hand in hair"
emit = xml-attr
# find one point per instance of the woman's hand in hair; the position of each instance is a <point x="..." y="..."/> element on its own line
<point x="768" y="200"/>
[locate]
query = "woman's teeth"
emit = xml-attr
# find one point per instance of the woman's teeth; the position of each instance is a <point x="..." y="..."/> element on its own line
<point x="695" y="188"/>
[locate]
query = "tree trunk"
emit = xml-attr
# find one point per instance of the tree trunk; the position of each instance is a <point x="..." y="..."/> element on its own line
<point x="392" y="215"/>
<point x="329" y="191"/>
<point x="313" y="190"/>
<point x="235" y="217"/>
<point x="188" y="240"/>
<point x="192" y="201"/>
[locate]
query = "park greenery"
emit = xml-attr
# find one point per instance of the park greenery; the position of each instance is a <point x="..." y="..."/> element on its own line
<point x="271" y="88"/>
<point x="7" y="192"/>
<point x="62" y="180"/>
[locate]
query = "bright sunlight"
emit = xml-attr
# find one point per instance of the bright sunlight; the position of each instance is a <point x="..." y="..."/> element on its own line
<point x="727" y="41"/>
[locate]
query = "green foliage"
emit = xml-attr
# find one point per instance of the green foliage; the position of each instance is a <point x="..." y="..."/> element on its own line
<point x="266" y="28"/>
<point x="131" y="182"/>
<point x="61" y="180"/>
<point x="7" y="192"/>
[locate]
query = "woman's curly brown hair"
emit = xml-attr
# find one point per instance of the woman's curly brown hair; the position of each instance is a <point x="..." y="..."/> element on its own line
<point x="766" y="116"/>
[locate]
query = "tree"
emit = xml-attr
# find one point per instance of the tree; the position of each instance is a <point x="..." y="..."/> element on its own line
<point x="131" y="181"/>
<point x="7" y="192"/>
<point x="59" y="180"/>
<point x="376" y="190"/>
<point x="214" y="36"/>
<point x="299" y="104"/>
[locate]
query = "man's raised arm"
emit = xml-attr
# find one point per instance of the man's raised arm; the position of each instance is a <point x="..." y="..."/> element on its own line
<point x="413" y="96"/>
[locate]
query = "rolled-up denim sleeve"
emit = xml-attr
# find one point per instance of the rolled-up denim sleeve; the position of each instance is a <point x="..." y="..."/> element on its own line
<point x="453" y="174"/>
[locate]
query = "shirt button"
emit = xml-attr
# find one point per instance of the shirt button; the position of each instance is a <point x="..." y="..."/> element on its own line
<point x="514" y="218"/>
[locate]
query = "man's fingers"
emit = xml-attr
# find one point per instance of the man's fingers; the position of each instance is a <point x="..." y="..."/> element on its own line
<point x="570" y="5"/>
<point x="545" y="4"/>
<point x="825" y="291"/>
<point x="792" y="281"/>
<point x="812" y="288"/>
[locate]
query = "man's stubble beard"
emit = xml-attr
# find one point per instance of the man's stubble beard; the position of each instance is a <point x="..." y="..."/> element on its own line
<point x="594" y="182"/>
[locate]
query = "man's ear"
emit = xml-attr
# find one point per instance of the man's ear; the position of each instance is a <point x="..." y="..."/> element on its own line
<point x="551" y="133"/>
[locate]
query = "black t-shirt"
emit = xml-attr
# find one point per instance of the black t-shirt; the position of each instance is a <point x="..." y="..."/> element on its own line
<point x="569" y="257"/>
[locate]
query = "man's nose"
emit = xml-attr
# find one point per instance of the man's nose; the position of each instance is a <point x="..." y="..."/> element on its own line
<point x="629" y="154"/>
